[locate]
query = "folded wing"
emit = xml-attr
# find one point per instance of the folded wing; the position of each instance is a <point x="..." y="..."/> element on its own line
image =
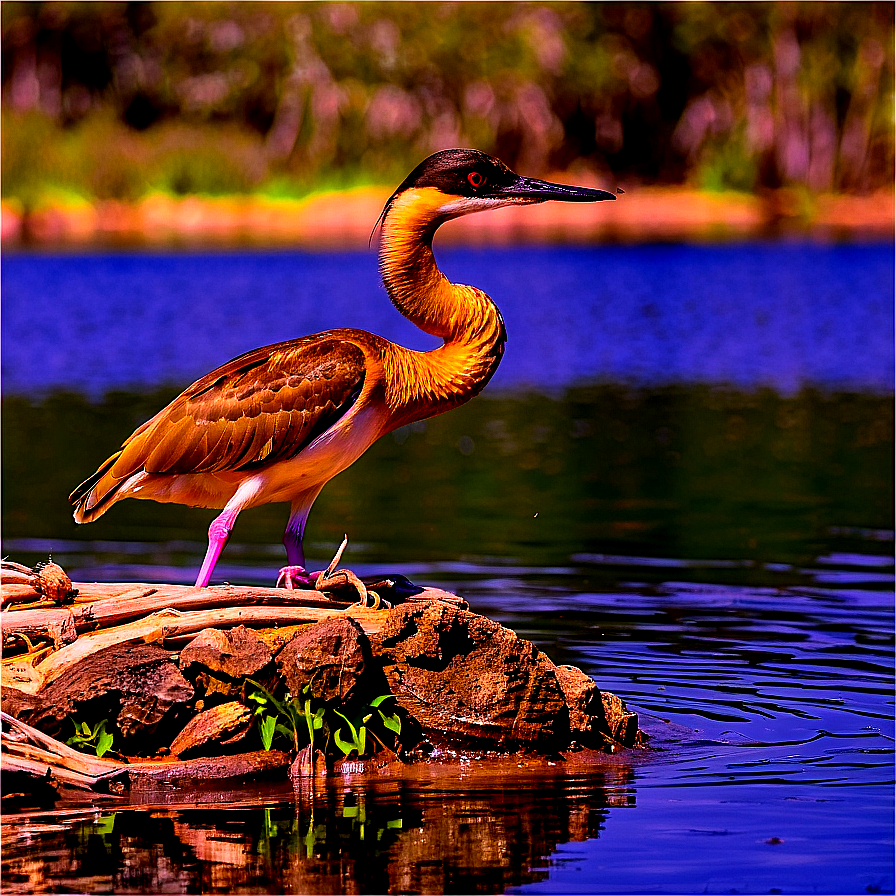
<point x="258" y="409"/>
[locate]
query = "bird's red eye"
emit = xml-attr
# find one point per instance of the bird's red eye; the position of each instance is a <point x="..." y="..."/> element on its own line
<point x="476" y="179"/>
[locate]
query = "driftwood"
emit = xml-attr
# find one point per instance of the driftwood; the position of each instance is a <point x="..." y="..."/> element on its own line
<point x="169" y="666"/>
<point x="47" y="757"/>
<point x="56" y="624"/>
<point x="165" y="626"/>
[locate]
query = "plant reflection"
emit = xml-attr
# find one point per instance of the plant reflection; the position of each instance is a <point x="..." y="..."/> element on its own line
<point x="435" y="829"/>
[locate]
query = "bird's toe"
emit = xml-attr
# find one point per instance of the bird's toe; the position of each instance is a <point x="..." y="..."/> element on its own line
<point x="292" y="577"/>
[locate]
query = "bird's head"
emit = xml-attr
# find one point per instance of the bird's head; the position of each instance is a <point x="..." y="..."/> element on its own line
<point x="456" y="182"/>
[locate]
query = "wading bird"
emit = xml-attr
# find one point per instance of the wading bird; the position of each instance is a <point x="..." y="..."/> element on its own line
<point x="277" y="423"/>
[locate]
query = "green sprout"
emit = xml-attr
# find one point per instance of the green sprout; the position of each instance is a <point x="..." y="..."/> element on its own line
<point x="290" y="717"/>
<point x="97" y="738"/>
<point x="283" y="717"/>
<point x="358" y="728"/>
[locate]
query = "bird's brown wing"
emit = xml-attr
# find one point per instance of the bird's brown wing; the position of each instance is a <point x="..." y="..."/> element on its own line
<point x="262" y="407"/>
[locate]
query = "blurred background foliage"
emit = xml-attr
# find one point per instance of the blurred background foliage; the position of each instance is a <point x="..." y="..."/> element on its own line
<point x="120" y="100"/>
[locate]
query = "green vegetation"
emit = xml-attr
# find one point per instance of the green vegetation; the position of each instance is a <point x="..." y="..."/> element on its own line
<point x="96" y="738"/>
<point x="360" y="727"/>
<point x="288" y="717"/>
<point x="122" y="100"/>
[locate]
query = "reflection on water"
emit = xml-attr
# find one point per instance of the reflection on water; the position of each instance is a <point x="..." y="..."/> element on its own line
<point x="435" y="831"/>
<point x="694" y="473"/>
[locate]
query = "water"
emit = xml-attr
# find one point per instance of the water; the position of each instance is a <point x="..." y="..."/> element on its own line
<point x="783" y="316"/>
<point x="696" y="508"/>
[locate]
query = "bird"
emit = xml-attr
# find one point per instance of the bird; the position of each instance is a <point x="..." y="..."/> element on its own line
<point x="275" y="424"/>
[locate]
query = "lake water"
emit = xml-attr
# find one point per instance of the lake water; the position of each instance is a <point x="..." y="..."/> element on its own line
<point x="680" y="480"/>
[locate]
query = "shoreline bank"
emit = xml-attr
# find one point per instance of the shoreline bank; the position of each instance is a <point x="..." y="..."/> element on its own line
<point x="345" y="220"/>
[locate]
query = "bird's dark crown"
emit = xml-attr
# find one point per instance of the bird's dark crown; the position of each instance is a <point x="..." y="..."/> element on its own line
<point x="460" y="172"/>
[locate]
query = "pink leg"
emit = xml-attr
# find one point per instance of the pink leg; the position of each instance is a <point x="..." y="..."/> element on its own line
<point x="218" y="536"/>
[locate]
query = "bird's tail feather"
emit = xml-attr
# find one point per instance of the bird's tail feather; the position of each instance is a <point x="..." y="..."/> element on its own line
<point x="93" y="497"/>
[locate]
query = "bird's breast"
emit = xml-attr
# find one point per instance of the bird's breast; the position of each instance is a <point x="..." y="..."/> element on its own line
<point x="329" y="454"/>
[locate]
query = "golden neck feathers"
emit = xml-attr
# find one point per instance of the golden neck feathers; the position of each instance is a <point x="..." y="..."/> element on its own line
<point x="465" y="318"/>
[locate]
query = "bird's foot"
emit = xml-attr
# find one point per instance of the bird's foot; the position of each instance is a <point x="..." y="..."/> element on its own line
<point x="332" y="579"/>
<point x="296" y="577"/>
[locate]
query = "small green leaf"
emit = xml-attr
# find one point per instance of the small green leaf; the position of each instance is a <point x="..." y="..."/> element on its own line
<point x="105" y="825"/>
<point x="348" y="722"/>
<point x="392" y="722"/>
<point x="266" y="728"/>
<point x="104" y="744"/>
<point x="282" y="729"/>
<point x="343" y="745"/>
<point x="378" y="700"/>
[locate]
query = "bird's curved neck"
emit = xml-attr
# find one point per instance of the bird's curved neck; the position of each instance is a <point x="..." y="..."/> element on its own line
<point x="466" y="319"/>
<point x="417" y="287"/>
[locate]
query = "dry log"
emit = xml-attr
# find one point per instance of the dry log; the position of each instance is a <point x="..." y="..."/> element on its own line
<point x="100" y="605"/>
<point x="37" y="769"/>
<point x="57" y="624"/>
<point x="80" y="770"/>
<point x="170" y="625"/>
<point x="82" y="765"/>
<point x="21" y="732"/>
<point x="188" y="772"/>
<point x="17" y="593"/>
<point x="138" y="602"/>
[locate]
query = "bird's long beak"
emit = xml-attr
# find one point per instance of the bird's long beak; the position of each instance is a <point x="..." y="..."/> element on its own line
<point x="530" y="189"/>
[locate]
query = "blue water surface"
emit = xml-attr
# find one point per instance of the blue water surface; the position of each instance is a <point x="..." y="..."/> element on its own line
<point x="722" y="559"/>
<point x="785" y="316"/>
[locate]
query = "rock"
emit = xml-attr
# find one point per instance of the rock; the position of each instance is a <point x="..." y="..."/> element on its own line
<point x="621" y="722"/>
<point x="331" y="656"/>
<point x="138" y="686"/>
<point x="467" y="677"/>
<point x="277" y="638"/>
<point x="219" y="726"/>
<point x="219" y="662"/>
<point x="587" y="724"/>
<point x="597" y="719"/>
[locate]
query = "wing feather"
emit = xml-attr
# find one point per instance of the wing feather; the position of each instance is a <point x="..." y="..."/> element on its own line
<point x="258" y="409"/>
